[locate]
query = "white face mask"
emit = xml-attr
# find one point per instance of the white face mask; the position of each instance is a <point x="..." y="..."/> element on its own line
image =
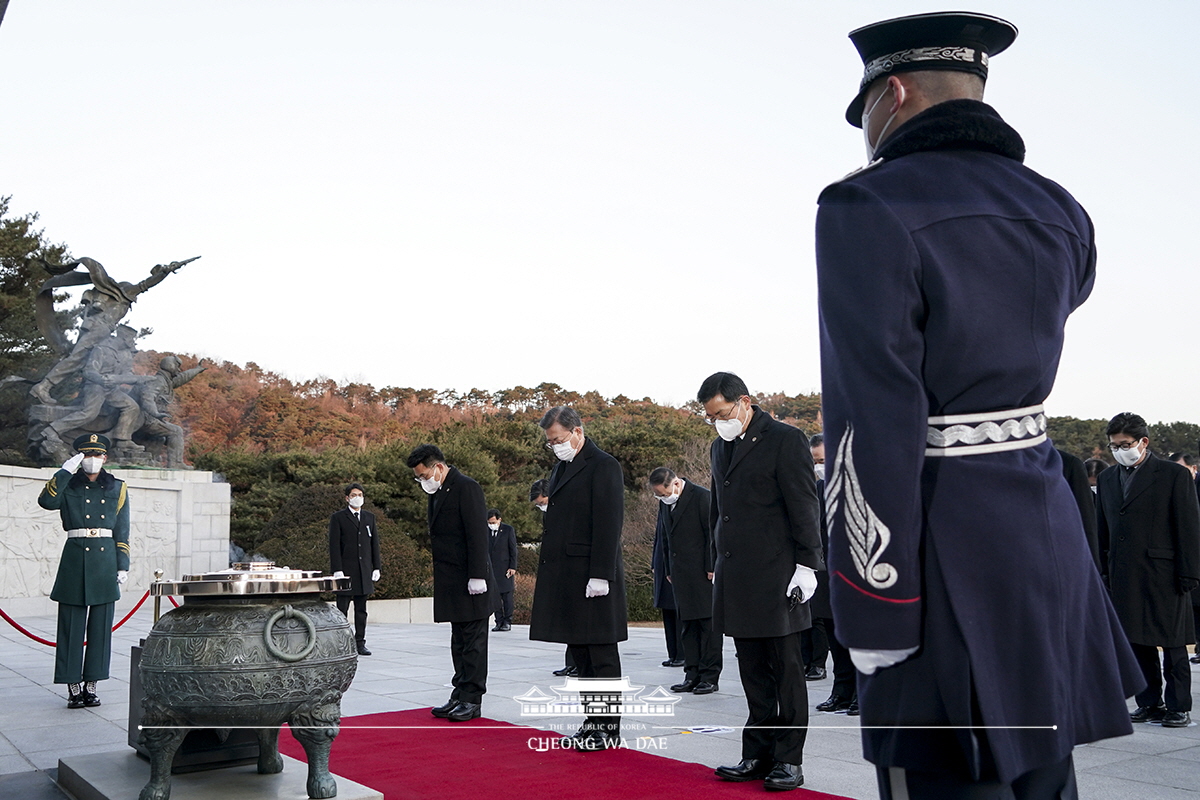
<point x="820" y="470"/>
<point x="729" y="429"/>
<point x="542" y="507"/>
<point x="866" y="122"/>
<point x="495" y="526"/>
<point x="670" y="499"/>
<point x="1127" y="458"/>
<point x="431" y="484"/>
<point x="92" y="464"/>
<point x="355" y="502"/>
<point x="563" y="450"/>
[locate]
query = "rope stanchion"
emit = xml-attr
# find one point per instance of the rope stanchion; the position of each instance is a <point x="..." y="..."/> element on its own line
<point x="174" y="602"/>
<point x="49" y="643"/>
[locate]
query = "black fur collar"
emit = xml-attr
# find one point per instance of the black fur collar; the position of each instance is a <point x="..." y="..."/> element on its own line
<point x="955" y="125"/>
<point x="104" y="479"/>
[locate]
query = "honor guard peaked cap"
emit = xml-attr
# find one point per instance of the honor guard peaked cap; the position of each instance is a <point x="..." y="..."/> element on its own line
<point x="946" y="40"/>
<point x="92" y="443"/>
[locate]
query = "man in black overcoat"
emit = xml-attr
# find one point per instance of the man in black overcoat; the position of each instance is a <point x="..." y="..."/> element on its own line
<point x="354" y="554"/>
<point x="688" y="565"/>
<point x="764" y="517"/>
<point x="458" y="535"/>
<point x="502" y="550"/>
<point x="960" y="576"/>
<point x="664" y="596"/>
<point x="1149" y="523"/>
<point x="579" y="599"/>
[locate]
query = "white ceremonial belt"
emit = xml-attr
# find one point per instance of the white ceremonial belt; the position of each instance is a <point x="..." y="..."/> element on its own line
<point x="986" y="432"/>
<point x="91" y="533"/>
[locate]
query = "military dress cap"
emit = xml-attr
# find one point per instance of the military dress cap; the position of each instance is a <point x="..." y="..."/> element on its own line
<point x="92" y="443"/>
<point x="947" y="40"/>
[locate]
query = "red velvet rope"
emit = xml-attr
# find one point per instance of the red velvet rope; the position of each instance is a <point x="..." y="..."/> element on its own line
<point x="49" y="643"/>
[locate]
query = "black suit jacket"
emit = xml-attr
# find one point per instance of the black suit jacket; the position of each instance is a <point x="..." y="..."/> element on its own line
<point x="764" y="518"/>
<point x="689" y="551"/>
<point x="354" y="549"/>
<point x="1151" y="538"/>
<point x="502" y="549"/>
<point x="581" y="539"/>
<point x="458" y="535"/>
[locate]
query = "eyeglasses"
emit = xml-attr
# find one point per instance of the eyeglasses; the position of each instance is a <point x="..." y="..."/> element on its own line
<point x="550" y="445"/>
<point x="1115" y="446"/>
<point x="727" y="414"/>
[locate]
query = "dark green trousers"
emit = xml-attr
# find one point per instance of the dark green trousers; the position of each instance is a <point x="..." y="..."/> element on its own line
<point x="75" y="623"/>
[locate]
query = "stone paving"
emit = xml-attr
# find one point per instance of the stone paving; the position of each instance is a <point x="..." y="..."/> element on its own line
<point x="410" y="668"/>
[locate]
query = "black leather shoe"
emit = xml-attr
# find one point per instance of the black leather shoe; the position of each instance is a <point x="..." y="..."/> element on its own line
<point x="463" y="712"/>
<point x="566" y="671"/>
<point x="443" y="711"/>
<point x="815" y="673"/>
<point x="1176" y="719"/>
<point x="75" y="695"/>
<point x="1148" y="714"/>
<point x="704" y="687"/>
<point x="1195" y="659"/>
<point x="686" y="686"/>
<point x="834" y="703"/>
<point x="362" y="649"/>
<point x="783" y="777"/>
<point x="852" y="708"/>
<point x="506" y="627"/>
<point x="677" y="662"/>
<point x="497" y="628"/>
<point x="750" y="769"/>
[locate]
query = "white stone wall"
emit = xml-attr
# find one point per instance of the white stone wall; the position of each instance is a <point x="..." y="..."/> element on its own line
<point x="179" y="523"/>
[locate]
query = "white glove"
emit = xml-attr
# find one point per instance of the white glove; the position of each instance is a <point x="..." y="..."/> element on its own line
<point x="597" y="587"/>
<point x="806" y="579"/>
<point x="72" y="463"/>
<point x="122" y="576"/>
<point x="375" y="575"/>
<point x="867" y="661"/>
<point x="476" y="586"/>
<point x="339" y="574"/>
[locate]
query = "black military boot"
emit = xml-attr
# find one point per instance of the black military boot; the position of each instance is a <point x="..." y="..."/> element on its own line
<point x="89" y="695"/>
<point x="75" y="695"/>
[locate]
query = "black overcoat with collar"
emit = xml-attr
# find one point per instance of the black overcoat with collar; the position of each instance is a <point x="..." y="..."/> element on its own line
<point x="689" y="547"/>
<point x="458" y="535"/>
<point x="581" y="539"/>
<point x="1151" y="538"/>
<point x="354" y="549"/>
<point x="765" y="520"/>
<point x="502" y="550"/>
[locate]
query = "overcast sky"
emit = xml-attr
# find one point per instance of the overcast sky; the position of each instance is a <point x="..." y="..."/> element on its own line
<point x="608" y="195"/>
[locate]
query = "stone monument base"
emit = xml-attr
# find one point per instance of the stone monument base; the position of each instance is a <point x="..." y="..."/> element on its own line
<point x="121" y="774"/>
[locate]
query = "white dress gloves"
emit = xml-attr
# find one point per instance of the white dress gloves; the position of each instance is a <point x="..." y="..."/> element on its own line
<point x="476" y="586"/>
<point x="597" y="587"/>
<point x="806" y="579"/>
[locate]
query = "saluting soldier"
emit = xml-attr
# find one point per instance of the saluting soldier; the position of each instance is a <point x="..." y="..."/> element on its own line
<point x="94" y="508"/>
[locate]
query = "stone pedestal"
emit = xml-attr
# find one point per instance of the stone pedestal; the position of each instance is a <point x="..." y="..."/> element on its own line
<point x="179" y="523"/>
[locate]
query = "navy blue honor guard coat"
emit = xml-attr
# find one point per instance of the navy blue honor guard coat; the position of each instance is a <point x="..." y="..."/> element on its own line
<point x="581" y="539"/>
<point x="946" y="273"/>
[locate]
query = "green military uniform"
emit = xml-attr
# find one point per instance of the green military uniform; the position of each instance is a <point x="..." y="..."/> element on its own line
<point x="95" y="514"/>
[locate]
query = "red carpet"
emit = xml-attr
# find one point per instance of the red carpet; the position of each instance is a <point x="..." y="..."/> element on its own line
<point x="424" y="758"/>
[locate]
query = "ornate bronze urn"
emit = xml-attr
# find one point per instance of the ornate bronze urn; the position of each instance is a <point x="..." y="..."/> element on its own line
<point x="250" y="646"/>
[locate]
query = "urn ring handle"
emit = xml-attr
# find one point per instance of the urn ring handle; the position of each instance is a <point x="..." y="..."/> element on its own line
<point x="290" y="613"/>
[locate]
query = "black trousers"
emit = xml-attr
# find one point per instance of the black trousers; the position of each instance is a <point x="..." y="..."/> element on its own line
<point x="845" y="676"/>
<point x="469" y="652"/>
<point x="672" y="633"/>
<point x="1055" y="782"/>
<point x="75" y="623"/>
<point x="360" y="613"/>
<point x="598" y="661"/>
<point x="701" y="651"/>
<point x="772" y="672"/>
<point x="814" y="644"/>
<point x="1174" y="669"/>
<point x="503" y="609"/>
